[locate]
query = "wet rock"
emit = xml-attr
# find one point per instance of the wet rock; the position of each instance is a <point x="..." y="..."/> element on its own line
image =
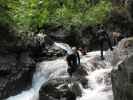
<point x="84" y="83"/>
<point x="67" y="88"/>
<point x="58" y="91"/>
<point x="122" y="73"/>
<point x="15" y="73"/>
<point x="70" y="95"/>
<point x="75" y="88"/>
<point x="81" y="71"/>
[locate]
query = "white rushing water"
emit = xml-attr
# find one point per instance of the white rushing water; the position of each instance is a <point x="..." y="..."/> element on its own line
<point x="99" y="79"/>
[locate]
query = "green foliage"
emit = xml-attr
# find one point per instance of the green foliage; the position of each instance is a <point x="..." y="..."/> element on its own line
<point x="4" y="13"/>
<point x="81" y="13"/>
<point x="29" y="15"/>
<point x="97" y="14"/>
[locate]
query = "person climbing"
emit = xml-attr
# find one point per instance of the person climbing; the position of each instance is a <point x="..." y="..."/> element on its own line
<point x="117" y="36"/>
<point x="73" y="61"/>
<point x="103" y="37"/>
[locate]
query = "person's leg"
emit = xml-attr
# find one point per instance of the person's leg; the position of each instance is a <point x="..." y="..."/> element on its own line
<point x="101" y="47"/>
<point x="114" y="42"/>
<point x="69" y="70"/>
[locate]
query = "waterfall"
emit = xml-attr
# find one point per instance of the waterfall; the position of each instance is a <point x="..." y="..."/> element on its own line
<point x="99" y="79"/>
<point x="64" y="46"/>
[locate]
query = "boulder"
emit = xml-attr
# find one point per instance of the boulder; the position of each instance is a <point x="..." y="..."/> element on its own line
<point x="15" y="73"/>
<point x="122" y="73"/>
<point x="68" y="88"/>
<point x="57" y="91"/>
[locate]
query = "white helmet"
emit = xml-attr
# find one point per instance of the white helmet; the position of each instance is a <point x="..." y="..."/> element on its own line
<point x="74" y="49"/>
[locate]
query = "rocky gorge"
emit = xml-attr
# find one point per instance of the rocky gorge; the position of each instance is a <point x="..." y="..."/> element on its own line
<point x="27" y="51"/>
<point x="19" y="69"/>
<point x="121" y="77"/>
<point x="18" y="64"/>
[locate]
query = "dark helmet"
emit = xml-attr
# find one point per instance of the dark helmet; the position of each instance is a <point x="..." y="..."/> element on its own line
<point x="101" y="26"/>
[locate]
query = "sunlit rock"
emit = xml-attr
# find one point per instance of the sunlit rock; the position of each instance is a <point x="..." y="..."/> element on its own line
<point x="122" y="74"/>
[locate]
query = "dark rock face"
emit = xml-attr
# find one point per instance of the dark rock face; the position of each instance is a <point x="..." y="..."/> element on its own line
<point x="16" y="73"/>
<point x="122" y="80"/>
<point x="122" y="74"/>
<point x="121" y="17"/>
<point x="83" y="36"/>
<point x="56" y="92"/>
<point x="130" y="7"/>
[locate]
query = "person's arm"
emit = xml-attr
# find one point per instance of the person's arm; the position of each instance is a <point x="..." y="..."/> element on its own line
<point x="68" y="61"/>
<point x="109" y="41"/>
<point x="97" y="33"/>
<point x="106" y="34"/>
<point x="78" y="58"/>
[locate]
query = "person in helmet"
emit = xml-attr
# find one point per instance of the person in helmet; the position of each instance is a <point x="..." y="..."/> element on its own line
<point x="73" y="61"/>
<point x="103" y="37"/>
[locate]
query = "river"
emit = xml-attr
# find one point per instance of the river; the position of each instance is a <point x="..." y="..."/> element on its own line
<point x="99" y="78"/>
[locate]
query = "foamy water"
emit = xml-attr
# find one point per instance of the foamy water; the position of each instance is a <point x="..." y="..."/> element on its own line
<point x="47" y="70"/>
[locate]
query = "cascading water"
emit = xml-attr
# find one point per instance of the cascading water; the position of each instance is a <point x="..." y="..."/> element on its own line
<point x="99" y="78"/>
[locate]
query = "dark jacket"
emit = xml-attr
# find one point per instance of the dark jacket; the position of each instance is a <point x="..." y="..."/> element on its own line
<point x="73" y="59"/>
<point x="102" y="35"/>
